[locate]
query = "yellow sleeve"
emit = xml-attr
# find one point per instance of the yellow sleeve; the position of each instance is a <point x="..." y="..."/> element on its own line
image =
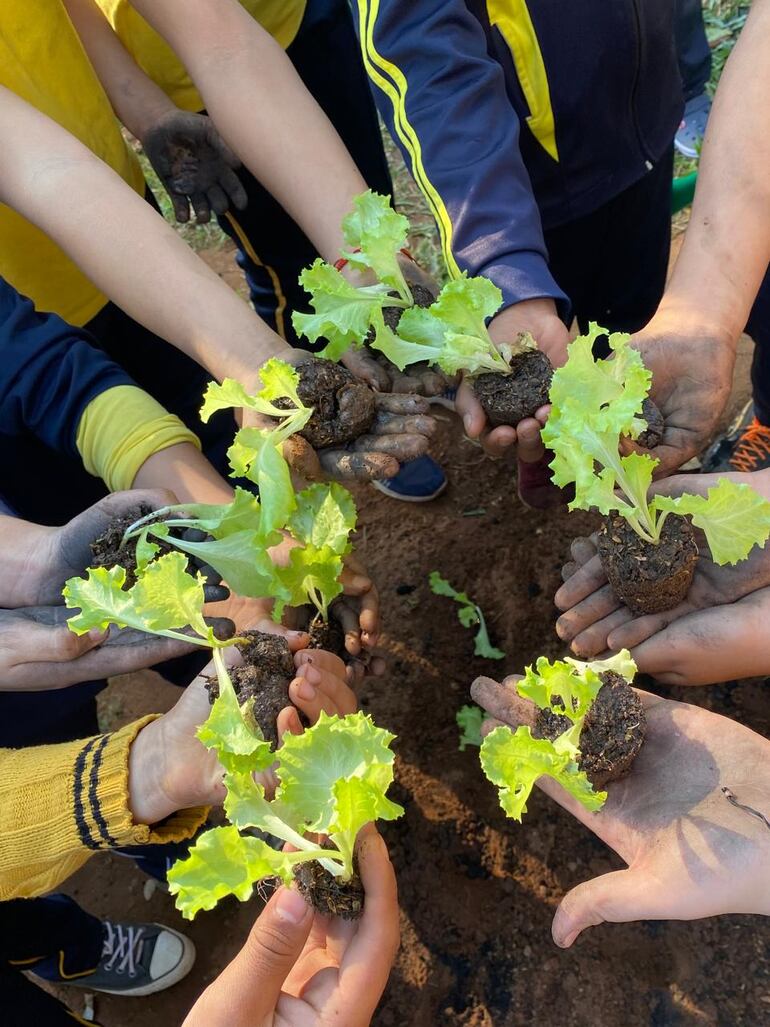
<point x="120" y="429"/>
<point x="61" y="803"/>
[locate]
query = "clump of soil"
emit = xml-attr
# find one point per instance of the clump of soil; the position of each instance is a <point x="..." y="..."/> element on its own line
<point x="264" y="676"/>
<point x="343" y="407"/>
<point x="328" y="635"/>
<point x="422" y="298"/>
<point x="326" y="894"/>
<point x="109" y="550"/>
<point x="648" y="578"/>
<point x="612" y="734"/>
<point x="509" y="398"/>
<point x="653" y="433"/>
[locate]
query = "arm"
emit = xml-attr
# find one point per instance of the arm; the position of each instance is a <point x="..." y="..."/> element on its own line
<point x="189" y="157"/>
<point x="462" y="147"/>
<point x="157" y="280"/>
<point x="263" y="111"/>
<point x="690" y="343"/>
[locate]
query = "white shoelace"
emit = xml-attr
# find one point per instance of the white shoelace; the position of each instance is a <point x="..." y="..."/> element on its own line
<point x="122" y="948"/>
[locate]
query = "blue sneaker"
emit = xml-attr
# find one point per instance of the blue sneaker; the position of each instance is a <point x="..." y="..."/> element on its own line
<point x="418" y="481"/>
<point x="689" y="137"/>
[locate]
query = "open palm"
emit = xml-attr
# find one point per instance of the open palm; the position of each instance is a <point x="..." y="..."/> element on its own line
<point x="690" y="852"/>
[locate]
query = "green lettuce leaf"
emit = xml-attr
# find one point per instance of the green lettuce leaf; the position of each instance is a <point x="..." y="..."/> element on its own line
<point x="465" y="304"/>
<point x="233" y="733"/>
<point x="375" y="233"/>
<point x="325" y="516"/>
<point x="311" y="576"/>
<point x="469" y="615"/>
<point x="164" y="600"/>
<point x="420" y="338"/>
<point x="255" y="455"/>
<point x="342" y="313"/>
<point x="469" y="720"/>
<point x="621" y="663"/>
<point x="223" y="862"/>
<point x="513" y="761"/>
<point x="561" y="686"/>
<point x="734" y="518"/>
<point x="279" y="381"/>
<point x="336" y="749"/>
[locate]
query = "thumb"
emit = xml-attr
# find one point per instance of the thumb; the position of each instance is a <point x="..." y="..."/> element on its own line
<point x="616" y="898"/>
<point x="248" y="989"/>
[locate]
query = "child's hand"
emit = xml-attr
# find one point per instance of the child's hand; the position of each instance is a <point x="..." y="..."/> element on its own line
<point x="195" y="166"/>
<point x="299" y="969"/>
<point x="690" y="851"/>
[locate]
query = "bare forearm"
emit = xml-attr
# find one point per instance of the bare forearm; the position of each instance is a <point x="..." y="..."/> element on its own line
<point x="186" y="472"/>
<point x="727" y="246"/>
<point x="263" y="111"/>
<point x="135" y="98"/>
<point x="23" y="549"/>
<point x="125" y="248"/>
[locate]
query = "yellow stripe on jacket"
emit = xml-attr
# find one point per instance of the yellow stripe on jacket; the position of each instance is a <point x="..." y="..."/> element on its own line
<point x="120" y="429"/>
<point x="61" y="803"/>
<point x="512" y="19"/>
<point x="392" y="81"/>
<point x="42" y="61"/>
<point x="281" y="18"/>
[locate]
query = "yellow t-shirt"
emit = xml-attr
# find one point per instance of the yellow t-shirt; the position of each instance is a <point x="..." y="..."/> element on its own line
<point x="42" y="61"/>
<point x="281" y="18"/>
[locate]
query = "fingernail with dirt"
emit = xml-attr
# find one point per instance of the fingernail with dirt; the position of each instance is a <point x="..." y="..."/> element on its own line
<point x="305" y="690"/>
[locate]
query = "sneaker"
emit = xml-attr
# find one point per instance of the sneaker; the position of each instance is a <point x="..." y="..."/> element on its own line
<point x="138" y="959"/>
<point x="746" y="447"/>
<point x="689" y="137"/>
<point x="418" y="481"/>
<point x="445" y="399"/>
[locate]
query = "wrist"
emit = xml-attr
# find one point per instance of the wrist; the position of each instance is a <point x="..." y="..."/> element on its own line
<point x="151" y="116"/>
<point x="527" y="316"/>
<point x="147" y="799"/>
<point x="27" y="556"/>
<point x="676" y="316"/>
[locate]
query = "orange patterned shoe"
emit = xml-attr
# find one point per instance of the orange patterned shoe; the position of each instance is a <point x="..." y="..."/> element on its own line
<point x="745" y="447"/>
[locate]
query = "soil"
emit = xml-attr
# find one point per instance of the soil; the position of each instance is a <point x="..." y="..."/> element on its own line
<point x="612" y="734"/>
<point x="422" y="298"/>
<point x="477" y="891"/>
<point x="265" y="676"/>
<point x="324" y="892"/>
<point x="328" y="635"/>
<point x="509" y="398"/>
<point x="648" y="578"/>
<point x="343" y="407"/>
<point x="653" y="433"/>
<point x="110" y="551"/>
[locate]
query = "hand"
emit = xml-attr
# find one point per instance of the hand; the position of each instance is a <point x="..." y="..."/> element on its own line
<point x="61" y="553"/>
<point x="170" y="769"/>
<point x="540" y="318"/>
<point x="298" y="969"/>
<point x="195" y="166"/>
<point x="692" y="374"/>
<point x="402" y="431"/>
<point x="594" y="621"/>
<point x="690" y="852"/>
<point x="39" y="652"/>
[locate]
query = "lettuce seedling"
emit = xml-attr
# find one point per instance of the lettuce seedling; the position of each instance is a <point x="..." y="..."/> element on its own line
<point x="332" y="780"/>
<point x="594" y="404"/>
<point x="164" y="600"/>
<point x="469" y="720"/>
<point x="469" y="616"/>
<point x="514" y="760"/>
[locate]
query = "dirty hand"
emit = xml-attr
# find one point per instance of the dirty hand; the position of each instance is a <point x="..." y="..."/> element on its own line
<point x="57" y="554"/>
<point x="401" y="431"/>
<point x="170" y="769"/>
<point x="38" y="651"/>
<point x="690" y="852"/>
<point x="594" y="621"/>
<point x="540" y="318"/>
<point x="376" y="370"/>
<point x="195" y="166"/>
<point x="299" y="969"/>
<point x="692" y="374"/>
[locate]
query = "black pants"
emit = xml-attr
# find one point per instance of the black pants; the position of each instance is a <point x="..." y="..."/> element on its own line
<point x="612" y="263"/>
<point x="758" y="328"/>
<point x="52" y="935"/>
<point x="272" y="248"/>
<point x="692" y="47"/>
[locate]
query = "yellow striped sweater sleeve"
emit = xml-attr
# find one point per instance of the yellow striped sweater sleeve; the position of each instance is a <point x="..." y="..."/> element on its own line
<point x="120" y="429"/>
<point x="61" y="803"/>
